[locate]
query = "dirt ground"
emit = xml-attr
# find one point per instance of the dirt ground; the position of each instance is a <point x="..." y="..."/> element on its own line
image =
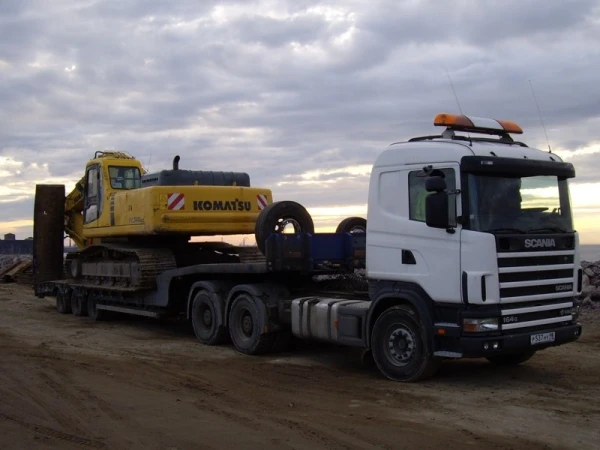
<point x="67" y="382"/>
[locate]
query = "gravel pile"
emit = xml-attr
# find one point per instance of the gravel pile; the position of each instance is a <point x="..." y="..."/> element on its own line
<point x="590" y="297"/>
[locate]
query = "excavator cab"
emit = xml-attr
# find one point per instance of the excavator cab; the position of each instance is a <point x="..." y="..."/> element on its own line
<point x="106" y="174"/>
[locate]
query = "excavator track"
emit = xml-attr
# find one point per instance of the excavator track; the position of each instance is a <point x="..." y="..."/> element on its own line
<point x="127" y="267"/>
<point x="114" y="266"/>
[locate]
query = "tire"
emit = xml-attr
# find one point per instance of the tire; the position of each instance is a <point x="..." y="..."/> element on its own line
<point x="63" y="303"/>
<point x="78" y="305"/>
<point x="205" y="321"/>
<point x="245" y="327"/>
<point x="410" y="358"/>
<point x="93" y="312"/>
<point x="352" y="225"/>
<point x="275" y="217"/>
<point x="511" y="359"/>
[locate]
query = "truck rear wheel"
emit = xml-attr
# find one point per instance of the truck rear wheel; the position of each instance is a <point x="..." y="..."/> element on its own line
<point x="400" y="347"/>
<point x="245" y="327"/>
<point x="205" y="321"/>
<point x="512" y="359"/>
<point x="278" y="216"/>
<point x="352" y="225"/>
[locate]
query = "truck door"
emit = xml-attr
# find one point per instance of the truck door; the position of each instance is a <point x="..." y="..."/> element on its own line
<point x="436" y="251"/>
<point x="92" y="202"/>
<point x="400" y="245"/>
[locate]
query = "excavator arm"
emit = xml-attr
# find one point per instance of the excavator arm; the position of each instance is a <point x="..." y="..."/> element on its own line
<point x="73" y="213"/>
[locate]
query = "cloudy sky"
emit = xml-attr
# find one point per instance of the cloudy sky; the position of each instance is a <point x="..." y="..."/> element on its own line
<point x="302" y="95"/>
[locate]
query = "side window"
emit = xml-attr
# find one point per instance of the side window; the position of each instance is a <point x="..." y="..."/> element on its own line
<point x="417" y="192"/>
<point x="92" y="182"/>
<point x="93" y="199"/>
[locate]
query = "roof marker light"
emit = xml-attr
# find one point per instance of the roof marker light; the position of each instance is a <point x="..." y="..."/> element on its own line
<point x="476" y="124"/>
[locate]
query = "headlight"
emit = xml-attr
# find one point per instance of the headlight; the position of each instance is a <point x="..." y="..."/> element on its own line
<point x="480" y="325"/>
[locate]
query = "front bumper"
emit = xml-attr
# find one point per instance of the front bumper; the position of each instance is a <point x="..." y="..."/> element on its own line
<point x="473" y="346"/>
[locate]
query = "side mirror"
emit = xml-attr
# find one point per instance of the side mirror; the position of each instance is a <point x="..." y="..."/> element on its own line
<point x="440" y="210"/>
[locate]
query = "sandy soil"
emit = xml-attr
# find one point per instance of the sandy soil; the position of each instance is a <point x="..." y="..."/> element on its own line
<point x="67" y="382"/>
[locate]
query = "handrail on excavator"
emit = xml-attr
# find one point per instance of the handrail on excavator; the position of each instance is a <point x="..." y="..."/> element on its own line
<point x="112" y="154"/>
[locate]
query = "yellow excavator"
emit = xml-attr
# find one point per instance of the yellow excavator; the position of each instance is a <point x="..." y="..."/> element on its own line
<point x="117" y="198"/>
<point x="131" y="225"/>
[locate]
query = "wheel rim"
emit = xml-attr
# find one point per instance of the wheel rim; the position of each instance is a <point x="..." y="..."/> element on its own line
<point x="247" y="324"/>
<point x="284" y="222"/>
<point x="400" y="346"/>
<point x="207" y="317"/>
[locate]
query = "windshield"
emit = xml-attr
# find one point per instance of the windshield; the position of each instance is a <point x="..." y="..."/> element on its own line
<point x="532" y="204"/>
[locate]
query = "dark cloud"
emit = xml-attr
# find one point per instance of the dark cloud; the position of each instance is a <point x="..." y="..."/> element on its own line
<point x="279" y="89"/>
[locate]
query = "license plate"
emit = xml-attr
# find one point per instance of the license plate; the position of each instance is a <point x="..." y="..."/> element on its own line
<point x="541" y="338"/>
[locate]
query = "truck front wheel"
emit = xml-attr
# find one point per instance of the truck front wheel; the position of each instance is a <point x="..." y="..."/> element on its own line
<point x="400" y="346"/>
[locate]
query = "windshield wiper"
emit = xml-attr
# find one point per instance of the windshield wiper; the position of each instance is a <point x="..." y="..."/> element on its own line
<point x="506" y="230"/>
<point x="548" y="230"/>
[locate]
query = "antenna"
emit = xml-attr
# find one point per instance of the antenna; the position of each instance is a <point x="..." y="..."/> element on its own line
<point x="540" y="113"/>
<point x="457" y="102"/>
<point x="453" y="90"/>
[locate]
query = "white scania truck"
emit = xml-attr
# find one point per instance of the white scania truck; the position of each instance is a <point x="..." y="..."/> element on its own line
<point x="469" y="251"/>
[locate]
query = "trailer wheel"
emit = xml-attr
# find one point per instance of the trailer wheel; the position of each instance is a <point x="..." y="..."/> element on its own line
<point x="63" y="303"/>
<point x="277" y="217"/>
<point x="511" y="360"/>
<point x="245" y="327"/>
<point x="205" y="320"/>
<point x="352" y="225"/>
<point x="400" y="347"/>
<point x="78" y="305"/>
<point x="93" y="312"/>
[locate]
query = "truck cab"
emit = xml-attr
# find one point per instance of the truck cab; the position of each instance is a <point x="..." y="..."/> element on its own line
<point x="476" y="232"/>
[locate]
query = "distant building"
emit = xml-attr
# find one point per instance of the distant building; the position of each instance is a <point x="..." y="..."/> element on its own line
<point x="9" y="237"/>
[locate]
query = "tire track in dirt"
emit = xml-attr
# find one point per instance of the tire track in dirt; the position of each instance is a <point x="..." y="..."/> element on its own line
<point x="253" y="413"/>
<point x="45" y="406"/>
<point x="54" y="434"/>
<point x="82" y="400"/>
<point x="319" y="436"/>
